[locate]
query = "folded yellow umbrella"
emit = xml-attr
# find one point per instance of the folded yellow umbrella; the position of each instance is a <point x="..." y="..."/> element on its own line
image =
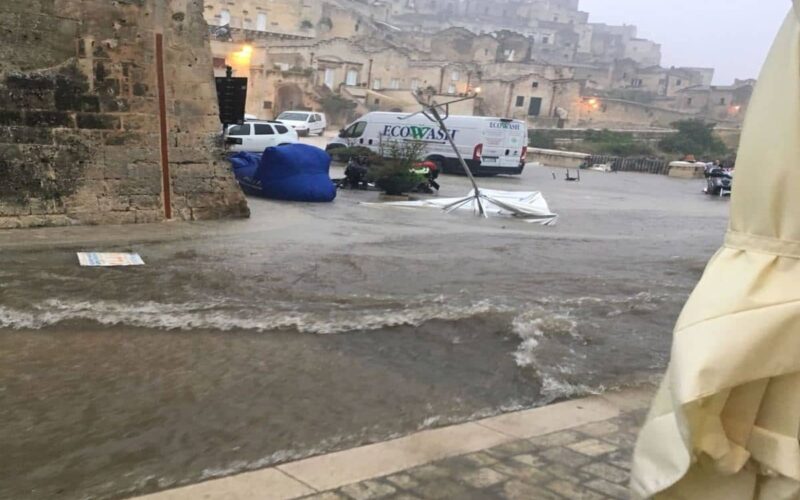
<point x="726" y="420"/>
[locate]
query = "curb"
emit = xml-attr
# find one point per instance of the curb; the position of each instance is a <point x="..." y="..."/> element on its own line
<point x="334" y="470"/>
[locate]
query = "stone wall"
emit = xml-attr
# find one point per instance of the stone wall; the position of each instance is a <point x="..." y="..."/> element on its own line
<point x="79" y="116"/>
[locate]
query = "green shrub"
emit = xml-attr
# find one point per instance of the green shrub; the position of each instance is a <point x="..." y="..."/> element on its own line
<point x="337" y="108"/>
<point x="541" y="139"/>
<point x="607" y="142"/>
<point x="344" y="154"/>
<point x="393" y="175"/>
<point x="394" y="178"/>
<point x="694" y="137"/>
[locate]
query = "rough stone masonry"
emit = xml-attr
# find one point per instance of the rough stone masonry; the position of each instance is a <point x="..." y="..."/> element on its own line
<point x="80" y="139"/>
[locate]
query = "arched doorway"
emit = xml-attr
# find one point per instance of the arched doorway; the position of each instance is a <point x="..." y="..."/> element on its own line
<point x="288" y="97"/>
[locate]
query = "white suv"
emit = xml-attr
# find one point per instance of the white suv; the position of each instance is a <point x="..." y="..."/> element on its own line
<point x="256" y="136"/>
<point x="304" y="122"/>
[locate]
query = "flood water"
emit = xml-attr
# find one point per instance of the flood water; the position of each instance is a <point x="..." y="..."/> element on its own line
<point x="306" y="329"/>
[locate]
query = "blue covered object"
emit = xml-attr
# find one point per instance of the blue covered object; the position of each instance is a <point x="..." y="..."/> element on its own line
<point x="295" y="172"/>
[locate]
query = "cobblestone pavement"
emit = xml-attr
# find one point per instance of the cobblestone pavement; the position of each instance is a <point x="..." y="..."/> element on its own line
<point x="589" y="462"/>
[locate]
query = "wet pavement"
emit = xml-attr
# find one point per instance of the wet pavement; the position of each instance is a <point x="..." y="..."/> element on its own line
<point x="311" y="328"/>
<point x="589" y="462"/>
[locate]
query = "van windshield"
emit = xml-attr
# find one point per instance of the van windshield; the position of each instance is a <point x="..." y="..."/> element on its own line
<point x="355" y="131"/>
<point x="293" y="117"/>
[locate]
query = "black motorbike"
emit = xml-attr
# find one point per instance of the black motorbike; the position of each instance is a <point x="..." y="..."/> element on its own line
<point x="355" y="174"/>
<point x="719" y="182"/>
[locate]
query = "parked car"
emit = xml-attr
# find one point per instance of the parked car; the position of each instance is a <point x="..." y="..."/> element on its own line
<point x="256" y="136"/>
<point x="305" y="122"/>
<point x="490" y="146"/>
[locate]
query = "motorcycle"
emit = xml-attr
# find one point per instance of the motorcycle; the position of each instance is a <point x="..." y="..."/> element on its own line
<point x="719" y="182"/>
<point x="430" y="171"/>
<point x="355" y="174"/>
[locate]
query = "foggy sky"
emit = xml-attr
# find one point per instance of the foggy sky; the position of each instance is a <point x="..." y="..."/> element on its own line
<point x="731" y="35"/>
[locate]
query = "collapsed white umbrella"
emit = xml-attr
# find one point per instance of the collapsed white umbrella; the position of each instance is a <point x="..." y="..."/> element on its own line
<point x="530" y="206"/>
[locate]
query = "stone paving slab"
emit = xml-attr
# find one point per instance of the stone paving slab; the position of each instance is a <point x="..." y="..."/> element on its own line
<point x="574" y="450"/>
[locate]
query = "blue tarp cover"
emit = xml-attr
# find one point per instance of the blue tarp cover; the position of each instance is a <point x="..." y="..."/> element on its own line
<point x="295" y="172"/>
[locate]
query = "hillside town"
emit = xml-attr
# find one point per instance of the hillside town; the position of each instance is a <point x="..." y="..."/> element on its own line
<point x="543" y="61"/>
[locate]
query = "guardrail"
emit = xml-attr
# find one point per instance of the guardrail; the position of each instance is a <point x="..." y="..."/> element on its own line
<point x="641" y="165"/>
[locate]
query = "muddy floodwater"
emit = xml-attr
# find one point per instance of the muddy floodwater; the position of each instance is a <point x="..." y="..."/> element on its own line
<point x="311" y="328"/>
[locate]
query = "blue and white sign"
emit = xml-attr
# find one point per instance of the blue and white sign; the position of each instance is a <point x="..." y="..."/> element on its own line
<point x="97" y="259"/>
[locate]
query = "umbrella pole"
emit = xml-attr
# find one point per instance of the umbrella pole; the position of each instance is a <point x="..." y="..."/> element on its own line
<point x="464" y="165"/>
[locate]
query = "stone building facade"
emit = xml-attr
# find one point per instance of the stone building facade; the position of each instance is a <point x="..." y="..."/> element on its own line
<point x="373" y="51"/>
<point x="80" y="128"/>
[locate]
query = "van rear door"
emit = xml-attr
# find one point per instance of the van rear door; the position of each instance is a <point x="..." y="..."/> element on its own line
<point x="503" y="143"/>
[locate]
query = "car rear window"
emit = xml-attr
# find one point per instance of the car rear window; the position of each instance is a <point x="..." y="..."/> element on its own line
<point x="264" y="129"/>
<point x="281" y="129"/>
<point x="294" y="117"/>
<point x="240" y="130"/>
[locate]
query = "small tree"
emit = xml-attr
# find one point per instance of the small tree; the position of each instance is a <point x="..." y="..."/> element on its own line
<point x="395" y="174"/>
<point x="337" y="108"/>
<point x="694" y="137"/>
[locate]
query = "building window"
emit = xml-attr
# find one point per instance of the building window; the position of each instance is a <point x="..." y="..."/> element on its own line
<point x="679" y="83"/>
<point x="267" y="104"/>
<point x="535" y="106"/>
<point x="224" y="17"/>
<point x="456" y="76"/>
<point x="376" y="84"/>
<point x="352" y="78"/>
<point x="219" y="63"/>
<point x="451" y="89"/>
<point x="520" y="101"/>
<point x="689" y="101"/>
<point x="329" y="77"/>
<point x="722" y="101"/>
<point x="636" y="83"/>
<point x="394" y="84"/>
<point x="261" y="21"/>
<point x="414" y="84"/>
<point x="546" y="40"/>
<point x="535" y="85"/>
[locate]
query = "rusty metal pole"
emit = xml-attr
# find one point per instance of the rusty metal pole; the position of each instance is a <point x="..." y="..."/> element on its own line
<point x="166" y="183"/>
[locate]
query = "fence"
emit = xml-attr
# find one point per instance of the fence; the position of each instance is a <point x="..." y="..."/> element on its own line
<point x="642" y="165"/>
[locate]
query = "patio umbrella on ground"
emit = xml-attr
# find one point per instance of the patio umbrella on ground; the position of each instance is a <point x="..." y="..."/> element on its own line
<point x="529" y="206"/>
<point x="726" y="420"/>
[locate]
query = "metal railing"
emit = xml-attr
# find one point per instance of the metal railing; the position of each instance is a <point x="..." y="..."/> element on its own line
<point x="641" y="165"/>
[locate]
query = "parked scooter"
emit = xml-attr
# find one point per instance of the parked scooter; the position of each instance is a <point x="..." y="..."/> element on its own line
<point x="355" y="174"/>
<point x="719" y="181"/>
<point x="430" y="171"/>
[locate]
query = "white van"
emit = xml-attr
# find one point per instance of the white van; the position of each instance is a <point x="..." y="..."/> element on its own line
<point x="489" y="145"/>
